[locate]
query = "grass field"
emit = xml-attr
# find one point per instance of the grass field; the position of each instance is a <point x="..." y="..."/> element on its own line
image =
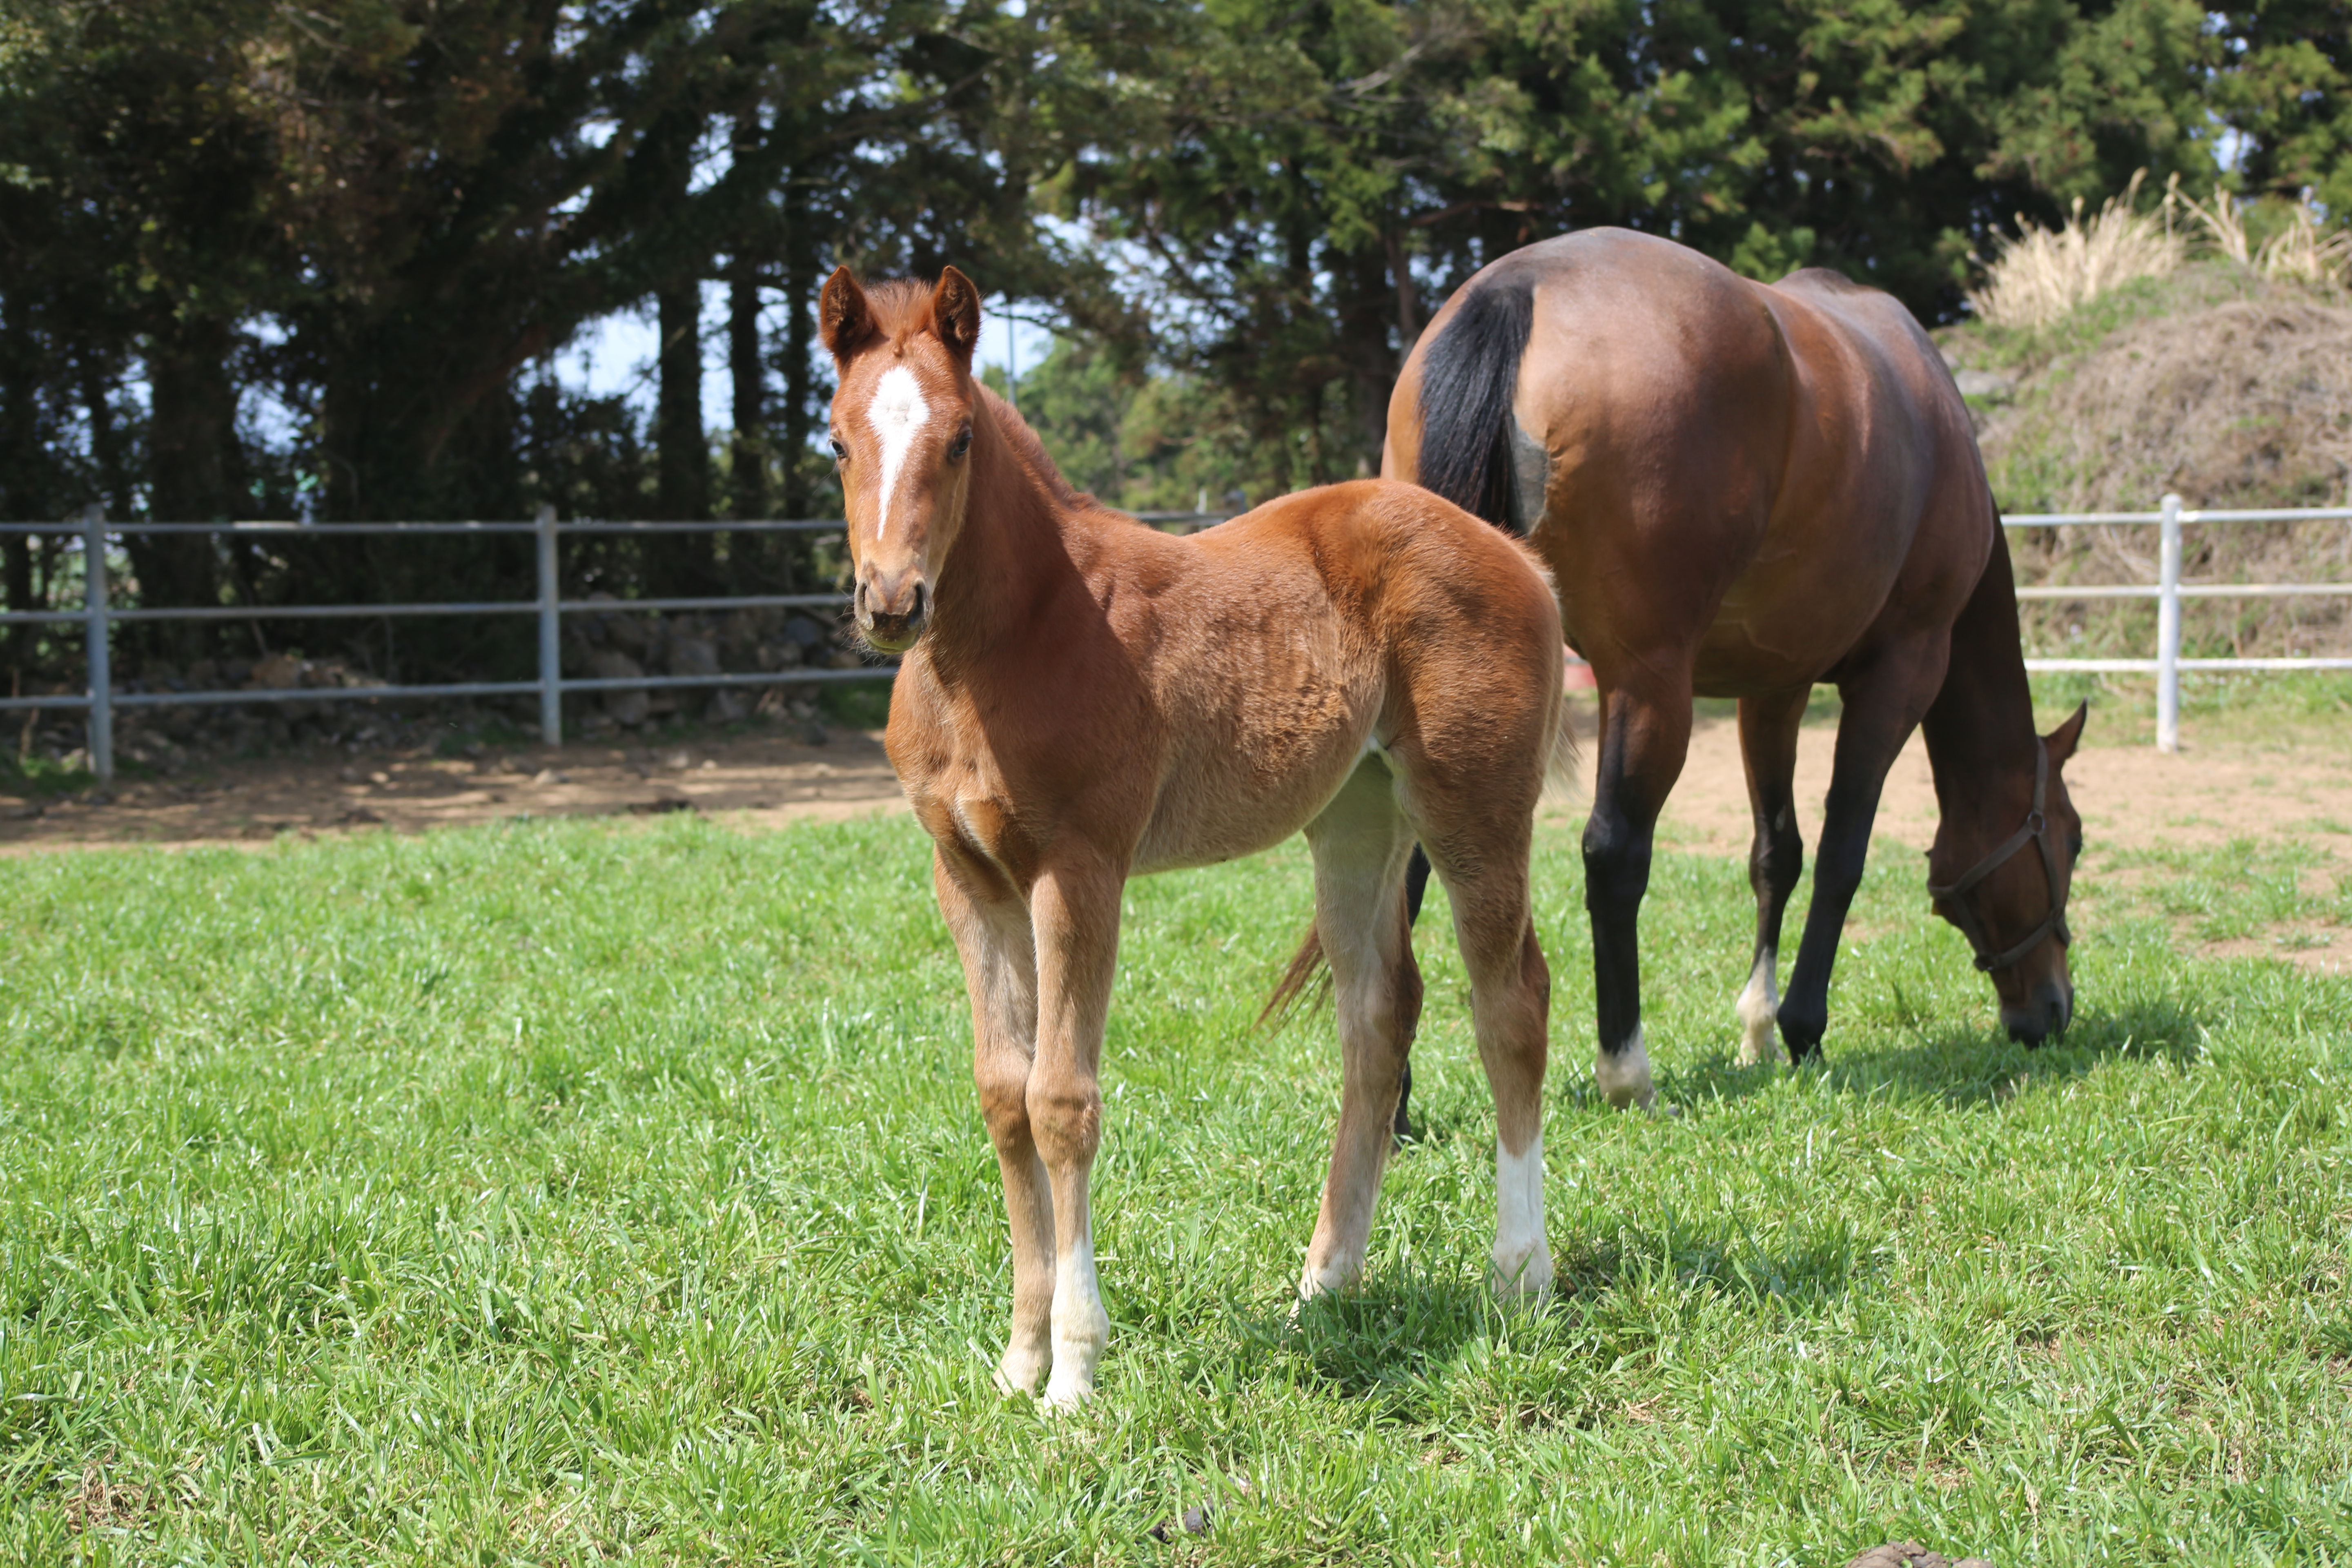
<point x="564" y="1191"/>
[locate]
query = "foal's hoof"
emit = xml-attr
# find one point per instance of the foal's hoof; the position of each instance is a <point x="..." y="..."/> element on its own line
<point x="1525" y="1280"/>
<point x="1020" y="1368"/>
<point x="1063" y="1398"/>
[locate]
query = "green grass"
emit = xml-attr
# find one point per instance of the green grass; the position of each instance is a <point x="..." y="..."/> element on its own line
<point x="557" y="1192"/>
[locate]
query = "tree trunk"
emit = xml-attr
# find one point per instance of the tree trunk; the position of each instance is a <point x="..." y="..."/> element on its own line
<point x="191" y="428"/>
<point x="192" y="463"/>
<point x="800" y="339"/>
<point x="749" y="459"/>
<point x="683" y="479"/>
<point x="20" y="442"/>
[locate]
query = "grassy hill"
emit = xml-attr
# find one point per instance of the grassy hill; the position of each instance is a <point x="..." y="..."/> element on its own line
<point x="2227" y="387"/>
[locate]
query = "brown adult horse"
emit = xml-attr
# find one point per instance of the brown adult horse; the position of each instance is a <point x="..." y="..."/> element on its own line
<point x="1742" y="490"/>
<point x="1084" y="699"/>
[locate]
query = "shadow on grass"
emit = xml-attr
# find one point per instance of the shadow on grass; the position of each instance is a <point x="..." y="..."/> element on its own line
<point x="1962" y="1066"/>
<point x="1384" y="1343"/>
<point x="1392" y="1341"/>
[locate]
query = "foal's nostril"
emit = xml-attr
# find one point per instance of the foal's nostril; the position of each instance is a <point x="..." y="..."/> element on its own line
<point x="915" y="611"/>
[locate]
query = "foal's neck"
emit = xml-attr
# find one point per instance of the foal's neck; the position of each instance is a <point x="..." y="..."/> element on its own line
<point x="1013" y="553"/>
<point x="1980" y="730"/>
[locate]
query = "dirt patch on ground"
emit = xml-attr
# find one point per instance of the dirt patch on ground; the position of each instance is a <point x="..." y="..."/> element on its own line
<point x="2294" y="788"/>
<point x="2209" y="792"/>
<point x="762" y="781"/>
<point x="2130" y="796"/>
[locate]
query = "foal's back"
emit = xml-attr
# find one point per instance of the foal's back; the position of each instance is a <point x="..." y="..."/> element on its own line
<point x="1271" y="654"/>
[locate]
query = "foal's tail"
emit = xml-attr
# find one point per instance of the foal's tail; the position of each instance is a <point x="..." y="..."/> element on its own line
<point x="1308" y="977"/>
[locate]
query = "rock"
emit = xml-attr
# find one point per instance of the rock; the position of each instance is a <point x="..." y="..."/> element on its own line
<point x="728" y="706"/>
<point x="628" y="633"/>
<point x="693" y="656"/>
<point x="1984" y="383"/>
<point x="847" y="658"/>
<point x="814" y="734"/>
<point x="277" y="673"/>
<point x="1194" y="1521"/>
<point x="625" y="706"/>
<point x="807" y="634"/>
<point x="546" y="777"/>
<point x="1911" y="1555"/>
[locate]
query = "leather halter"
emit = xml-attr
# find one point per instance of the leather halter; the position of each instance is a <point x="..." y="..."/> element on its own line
<point x="1962" y="914"/>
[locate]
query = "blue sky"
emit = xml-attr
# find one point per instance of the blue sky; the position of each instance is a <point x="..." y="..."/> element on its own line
<point x="615" y="355"/>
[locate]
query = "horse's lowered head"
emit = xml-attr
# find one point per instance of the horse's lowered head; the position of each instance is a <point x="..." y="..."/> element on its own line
<point x="2001" y="874"/>
<point x="902" y="435"/>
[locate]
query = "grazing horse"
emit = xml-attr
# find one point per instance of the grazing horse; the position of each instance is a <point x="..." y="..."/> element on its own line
<point x="1742" y="490"/>
<point x="1084" y="699"/>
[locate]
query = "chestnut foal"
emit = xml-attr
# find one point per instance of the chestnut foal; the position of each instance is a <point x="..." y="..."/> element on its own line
<point x="1084" y="699"/>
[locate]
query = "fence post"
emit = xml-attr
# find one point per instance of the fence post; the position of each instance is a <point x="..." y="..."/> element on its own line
<point x="550" y="633"/>
<point x="2168" y="632"/>
<point x="97" y="646"/>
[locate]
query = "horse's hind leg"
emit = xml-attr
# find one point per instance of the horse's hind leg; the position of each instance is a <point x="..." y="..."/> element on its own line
<point x="1360" y="842"/>
<point x="1767" y="748"/>
<point x="1484" y="862"/>
<point x="1645" y="738"/>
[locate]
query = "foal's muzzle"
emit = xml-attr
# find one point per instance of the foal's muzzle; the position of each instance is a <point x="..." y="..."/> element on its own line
<point x="893" y="608"/>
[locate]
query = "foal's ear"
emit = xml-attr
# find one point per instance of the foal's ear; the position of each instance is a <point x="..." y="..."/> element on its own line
<point x="955" y="314"/>
<point x="2061" y="742"/>
<point x="844" y="318"/>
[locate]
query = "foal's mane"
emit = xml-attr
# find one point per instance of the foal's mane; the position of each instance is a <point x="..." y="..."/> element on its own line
<point x="902" y="312"/>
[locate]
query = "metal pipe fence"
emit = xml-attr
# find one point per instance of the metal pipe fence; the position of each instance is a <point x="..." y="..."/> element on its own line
<point x="2169" y="591"/>
<point x="98" y="616"/>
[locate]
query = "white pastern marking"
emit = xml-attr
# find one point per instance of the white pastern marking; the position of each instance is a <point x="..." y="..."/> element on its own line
<point x="1522" y="1256"/>
<point x="1081" y="1327"/>
<point x="1760" y="1006"/>
<point x="1624" y="1076"/>
<point x="896" y="414"/>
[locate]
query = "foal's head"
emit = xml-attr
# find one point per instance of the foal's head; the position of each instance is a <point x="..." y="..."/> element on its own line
<point x="902" y="431"/>
<point x="2003" y="879"/>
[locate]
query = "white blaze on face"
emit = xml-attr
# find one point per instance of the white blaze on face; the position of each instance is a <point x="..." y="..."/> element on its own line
<point x="896" y="414"/>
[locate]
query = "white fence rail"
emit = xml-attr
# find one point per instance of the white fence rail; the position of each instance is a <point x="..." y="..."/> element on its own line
<point x="2169" y="591"/>
<point x="98" y="616"/>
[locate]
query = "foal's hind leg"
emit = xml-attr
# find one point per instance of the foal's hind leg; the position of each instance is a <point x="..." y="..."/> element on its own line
<point x="1479" y="843"/>
<point x="1767" y="748"/>
<point x="1360" y="841"/>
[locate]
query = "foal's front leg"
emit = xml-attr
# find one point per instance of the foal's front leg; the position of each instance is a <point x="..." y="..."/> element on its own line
<point x="1073" y="909"/>
<point x="992" y="936"/>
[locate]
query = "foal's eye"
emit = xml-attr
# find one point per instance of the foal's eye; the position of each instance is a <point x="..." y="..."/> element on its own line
<point x="840" y="452"/>
<point x="961" y="444"/>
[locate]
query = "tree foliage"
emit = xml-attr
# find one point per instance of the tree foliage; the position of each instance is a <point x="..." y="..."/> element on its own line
<point x="259" y="258"/>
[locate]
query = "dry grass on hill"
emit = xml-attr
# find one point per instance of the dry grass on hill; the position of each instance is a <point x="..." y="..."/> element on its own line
<point x="2225" y="387"/>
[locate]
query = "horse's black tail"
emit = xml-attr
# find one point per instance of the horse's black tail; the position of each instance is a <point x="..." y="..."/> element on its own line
<point x="1466" y="387"/>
